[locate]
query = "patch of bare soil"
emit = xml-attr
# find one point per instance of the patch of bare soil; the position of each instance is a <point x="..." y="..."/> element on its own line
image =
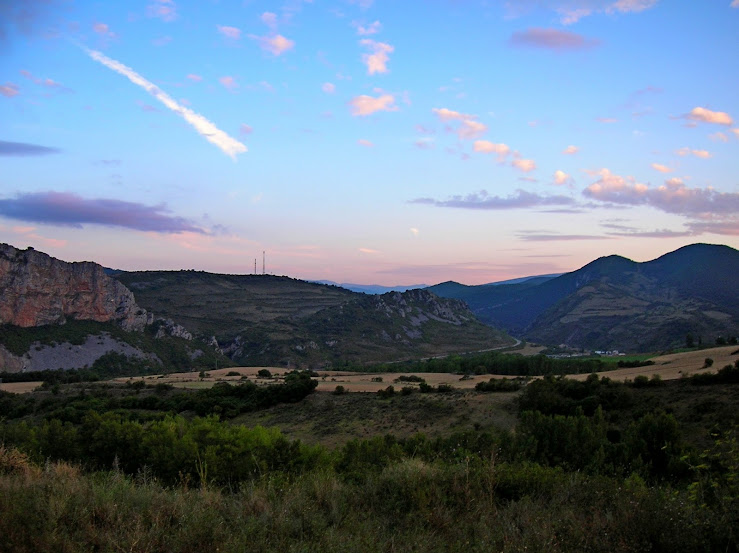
<point x="19" y="387"/>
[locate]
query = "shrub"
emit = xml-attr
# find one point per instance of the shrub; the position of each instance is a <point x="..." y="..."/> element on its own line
<point x="708" y="363"/>
<point x="233" y="373"/>
<point x="339" y="390"/>
<point x="264" y="373"/>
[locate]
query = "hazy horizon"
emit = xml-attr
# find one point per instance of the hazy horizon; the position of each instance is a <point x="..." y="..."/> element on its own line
<point x="366" y="141"/>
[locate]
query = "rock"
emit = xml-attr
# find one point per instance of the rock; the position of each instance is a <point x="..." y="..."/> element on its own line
<point x="37" y="289"/>
<point x="169" y="328"/>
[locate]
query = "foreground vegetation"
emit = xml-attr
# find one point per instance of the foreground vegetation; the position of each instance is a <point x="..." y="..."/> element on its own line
<point x="591" y="466"/>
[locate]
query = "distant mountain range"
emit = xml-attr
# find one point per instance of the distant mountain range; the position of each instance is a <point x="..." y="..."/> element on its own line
<point x="616" y="303"/>
<point x="371" y="288"/>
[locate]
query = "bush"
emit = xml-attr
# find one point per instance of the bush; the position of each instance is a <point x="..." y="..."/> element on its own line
<point x="339" y="390"/>
<point x="264" y="373"/>
<point x="386" y="393"/>
<point x="708" y="363"/>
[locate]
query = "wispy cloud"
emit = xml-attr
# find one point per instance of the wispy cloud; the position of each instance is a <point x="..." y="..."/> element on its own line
<point x="538" y="236"/>
<point x="205" y="128"/>
<point x="685" y="151"/>
<point x="368" y="30"/>
<point x="551" y="39"/>
<point x="229" y="82"/>
<point x="166" y="10"/>
<point x="366" y="143"/>
<point x="21" y="149"/>
<point x="483" y="200"/>
<point x="487" y="147"/>
<point x="572" y="11"/>
<point x="570" y="150"/>
<point x="328" y="88"/>
<point x="67" y="209"/>
<point x="469" y="127"/>
<point x="376" y="60"/>
<point x="661" y="168"/>
<point x="366" y="105"/>
<point x="9" y="89"/>
<point x="232" y="33"/>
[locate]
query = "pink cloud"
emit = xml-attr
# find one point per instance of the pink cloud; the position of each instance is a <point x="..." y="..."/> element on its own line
<point x="245" y="129"/>
<point x="166" y="10"/>
<point x="274" y="44"/>
<point x="487" y="147"/>
<point x="328" y="88"/>
<point x="103" y="29"/>
<point x="606" y="120"/>
<point x="371" y="29"/>
<point x="450" y="115"/>
<point x="232" y="33"/>
<point x="194" y="77"/>
<point x="570" y="150"/>
<point x="707" y="116"/>
<point x="561" y="178"/>
<point x="269" y="19"/>
<point x="376" y="60"/>
<point x="672" y="197"/>
<point x="229" y="82"/>
<point x="9" y="89"/>
<point x="661" y="168"/>
<point x="685" y="151"/>
<point x="471" y="129"/>
<point x="365" y="143"/>
<point x="551" y="39"/>
<point x="525" y="165"/>
<point x="366" y="105"/>
<point x="424" y="144"/>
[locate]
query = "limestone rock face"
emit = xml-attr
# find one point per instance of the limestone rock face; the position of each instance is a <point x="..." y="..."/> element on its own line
<point x="37" y="289"/>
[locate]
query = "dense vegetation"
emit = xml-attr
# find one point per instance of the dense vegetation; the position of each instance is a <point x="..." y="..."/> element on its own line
<point x="592" y="466"/>
<point x="491" y="362"/>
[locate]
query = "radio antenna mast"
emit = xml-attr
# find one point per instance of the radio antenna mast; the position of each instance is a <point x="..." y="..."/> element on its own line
<point x="255" y="265"/>
<point x="263" y="260"/>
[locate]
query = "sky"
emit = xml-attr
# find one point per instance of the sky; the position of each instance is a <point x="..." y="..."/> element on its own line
<point x="368" y="141"/>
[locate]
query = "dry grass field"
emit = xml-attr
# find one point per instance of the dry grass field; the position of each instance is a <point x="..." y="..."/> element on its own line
<point x="676" y="365"/>
<point x="19" y="387"/>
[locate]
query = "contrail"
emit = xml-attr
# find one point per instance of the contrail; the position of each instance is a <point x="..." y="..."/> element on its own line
<point x="213" y="134"/>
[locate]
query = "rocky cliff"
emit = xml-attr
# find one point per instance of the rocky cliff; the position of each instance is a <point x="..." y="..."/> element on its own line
<point x="37" y="289"/>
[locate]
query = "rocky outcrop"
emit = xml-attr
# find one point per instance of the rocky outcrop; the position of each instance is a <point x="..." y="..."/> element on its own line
<point x="37" y="289"/>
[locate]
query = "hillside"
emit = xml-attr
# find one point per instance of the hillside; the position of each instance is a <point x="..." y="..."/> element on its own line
<point x="616" y="303"/>
<point x="60" y="315"/>
<point x="264" y="319"/>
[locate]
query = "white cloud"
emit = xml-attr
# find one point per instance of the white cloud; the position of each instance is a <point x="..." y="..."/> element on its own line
<point x="205" y="128"/>
<point x="414" y="231"/>
<point x="366" y="105"/>
<point x="570" y="150"/>
<point x="376" y="60"/>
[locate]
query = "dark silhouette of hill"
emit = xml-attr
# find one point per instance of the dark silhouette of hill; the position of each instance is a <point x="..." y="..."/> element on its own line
<point x="616" y="303"/>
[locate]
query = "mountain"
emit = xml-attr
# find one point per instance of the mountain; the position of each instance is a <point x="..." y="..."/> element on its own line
<point x="265" y="319"/>
<point x="55" y="314"/>
<point x="372" y="288"/>
<point x="616" y="303"/>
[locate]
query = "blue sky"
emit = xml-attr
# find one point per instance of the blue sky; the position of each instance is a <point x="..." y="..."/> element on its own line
<point x="368" y="141"/>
